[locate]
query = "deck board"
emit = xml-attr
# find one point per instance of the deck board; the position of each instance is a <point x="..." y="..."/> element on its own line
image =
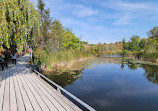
<point x="42" y="95"/>
<point x="49" y="96"/>
<point x="19" y="99"/>
<point x="25" y="97"/>
<point x="37" y="96"/>
<point x="2" y="90"/>
<point x="22" y="90"/>
<point x="32" y="98"/>
<point x="13" y="102"/>
<point x="56" y="95"/>
<point x="59" y="96"/>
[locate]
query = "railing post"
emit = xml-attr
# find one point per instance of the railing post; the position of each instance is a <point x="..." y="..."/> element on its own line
<point x="38" y="74"/>
<point x="58" y="89"/>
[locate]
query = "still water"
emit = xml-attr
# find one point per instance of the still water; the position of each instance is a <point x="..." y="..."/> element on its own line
<point x="107" y="84"/>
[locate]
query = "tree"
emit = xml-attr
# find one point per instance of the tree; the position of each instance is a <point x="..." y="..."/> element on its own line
<point x="57" y="34"/>
<point x="153" y="33"/>
<point x="45" y="21"/>
<point x="134" y="44"/>
<point x="142" y="43"/>
<point x="18" y="23"/>
<point x="125" y="44"/>
<point x="152" y="42"/>
<point x="70" y="40"/>
<point x="123" y="41"/>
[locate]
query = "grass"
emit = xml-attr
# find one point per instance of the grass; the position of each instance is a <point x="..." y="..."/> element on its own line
<point x="61" y="59"/>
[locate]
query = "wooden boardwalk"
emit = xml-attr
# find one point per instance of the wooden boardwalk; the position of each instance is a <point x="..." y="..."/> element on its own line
<point x="22" y="90"/>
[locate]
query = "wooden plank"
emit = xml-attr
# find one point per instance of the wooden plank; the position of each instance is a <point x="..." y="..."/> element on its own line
<point x="36" y="95"/>
<point x="13" y="102"/>
<point x="66" y="106"/>
<point x="49" y="96"/>
<point x="2" y="89"/>
<point x="61" y="99"/>
<point x="34" y="102"/>
<point x="25" y="97"/>
<point x="20" y="103"/>
<point x="6" y="94"/>
<point x="42" y="95"/>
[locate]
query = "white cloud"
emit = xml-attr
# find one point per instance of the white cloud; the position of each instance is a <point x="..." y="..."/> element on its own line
<point x="126" y="6"/>
<point x="82" y="11"/>
<point x="126" y="12"/>
<point x="133" y="6"/>
<point x="125" y="20"/>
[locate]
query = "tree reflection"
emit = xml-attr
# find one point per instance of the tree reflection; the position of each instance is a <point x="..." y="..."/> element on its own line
<point x="151" y="73"/>
<point x="65" y="78"/>
<point x="132" y="66"/>
<point x="122" y="66"/>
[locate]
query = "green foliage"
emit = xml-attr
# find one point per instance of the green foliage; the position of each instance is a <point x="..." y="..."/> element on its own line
<point x="152" y="44"/>
<point x="70" y="41"/>
<point x="136" y="44"/>
<point x="45" y="22"/>
<point x="124" y="52"/>
<point x="57" y="35"/>
<point x="146" y="49"/>
<point x="142" y="43"/>
<point x="57" y="46"/>
<point x="18" y="22"/>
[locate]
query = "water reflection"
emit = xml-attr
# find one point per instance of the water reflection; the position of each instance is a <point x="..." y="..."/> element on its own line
<point x="111" y="84"/>
<point x="68" y="77"/>
<point x="151" y="71"/>
<point x="65" y="78"/>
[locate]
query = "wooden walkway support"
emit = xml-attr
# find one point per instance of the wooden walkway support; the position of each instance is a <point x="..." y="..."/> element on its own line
<point x="22" y="90"/>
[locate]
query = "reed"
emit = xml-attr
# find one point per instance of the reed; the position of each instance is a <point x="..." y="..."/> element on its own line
<point x="60" y="59"/>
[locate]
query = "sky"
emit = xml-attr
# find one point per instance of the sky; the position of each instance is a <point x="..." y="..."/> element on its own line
<point x="105" y="21"/>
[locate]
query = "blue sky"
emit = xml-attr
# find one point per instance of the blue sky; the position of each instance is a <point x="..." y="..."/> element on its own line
<point x="105" y="21"/>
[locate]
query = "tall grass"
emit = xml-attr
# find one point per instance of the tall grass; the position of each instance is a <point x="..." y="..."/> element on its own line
<point x="49" y="61"/>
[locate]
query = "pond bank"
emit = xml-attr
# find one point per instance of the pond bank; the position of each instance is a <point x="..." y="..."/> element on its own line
<point x="67" y="69"/>
<point x="138" y="61"/>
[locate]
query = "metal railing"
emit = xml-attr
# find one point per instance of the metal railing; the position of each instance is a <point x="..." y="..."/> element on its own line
<point x="59" y="89"/>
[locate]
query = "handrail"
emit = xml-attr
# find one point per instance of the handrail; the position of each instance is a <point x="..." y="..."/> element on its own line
<point x="59" y="89"/>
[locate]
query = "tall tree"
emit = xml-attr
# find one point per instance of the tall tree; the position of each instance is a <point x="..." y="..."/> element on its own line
<point x="142" y="43"/>
<point x="70" y="40"/>
<point x="57" y="35"/>
<point x="152" y="43"/>
<point x="18" y="22"/>
<point x="46" y="21"/>
<point x="134" y="44"/>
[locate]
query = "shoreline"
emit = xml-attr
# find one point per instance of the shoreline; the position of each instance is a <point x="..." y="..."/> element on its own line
<point x="65" y="68"/>
<point x="138" y="61"/>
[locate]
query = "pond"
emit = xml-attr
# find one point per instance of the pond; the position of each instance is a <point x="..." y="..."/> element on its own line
<point x="108" y="84"/>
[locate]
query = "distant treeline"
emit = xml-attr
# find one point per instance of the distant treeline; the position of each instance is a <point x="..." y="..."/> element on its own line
<point x="145" y="48"/>
<point x="108" y="49"/>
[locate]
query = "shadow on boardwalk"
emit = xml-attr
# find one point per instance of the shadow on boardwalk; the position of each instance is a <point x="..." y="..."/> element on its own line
<point x="23" y="90"/>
